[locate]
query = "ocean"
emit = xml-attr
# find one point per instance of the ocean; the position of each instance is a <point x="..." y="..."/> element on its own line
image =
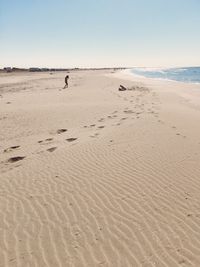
<point x="188" y="74"/>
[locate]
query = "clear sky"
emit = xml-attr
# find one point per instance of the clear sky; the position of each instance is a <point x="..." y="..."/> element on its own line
<point x="99" y="33"/>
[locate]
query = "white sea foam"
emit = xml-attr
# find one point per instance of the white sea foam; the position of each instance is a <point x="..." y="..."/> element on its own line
<point x="190" y="74"/>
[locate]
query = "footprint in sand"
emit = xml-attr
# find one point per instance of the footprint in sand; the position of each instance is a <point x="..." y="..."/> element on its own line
<point x="49" y="139"/>
<point x="59" y="131"/>
<point x="101" y="127"/>
<point x="51" y="149"/>
<point x="95" y="135"/>
<point x="3" y="118"/>
<point x="46" y="140"/>
<point x="10" y="149"/>
<point x="71" y="139"/>
<point x="128" y="111"/>
<point x="15" y="159"/>
<point x="92" y="125"/>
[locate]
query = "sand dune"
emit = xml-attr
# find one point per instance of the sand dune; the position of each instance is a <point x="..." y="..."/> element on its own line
<point x="90" y="176"/>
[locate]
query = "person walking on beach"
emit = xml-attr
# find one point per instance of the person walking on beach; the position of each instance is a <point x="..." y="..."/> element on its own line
<point x="66" y="82"/>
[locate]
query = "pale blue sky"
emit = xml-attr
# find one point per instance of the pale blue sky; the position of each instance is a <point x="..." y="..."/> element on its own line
<point x="99" y="33"/>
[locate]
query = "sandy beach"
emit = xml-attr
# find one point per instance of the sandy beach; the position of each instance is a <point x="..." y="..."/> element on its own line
<point x="91" y="176"/>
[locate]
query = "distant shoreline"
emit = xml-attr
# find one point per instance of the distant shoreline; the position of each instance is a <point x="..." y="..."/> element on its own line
<point x="36" y="69"/>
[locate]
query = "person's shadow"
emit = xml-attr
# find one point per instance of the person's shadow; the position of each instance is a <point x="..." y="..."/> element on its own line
<point x="66" y="86"/>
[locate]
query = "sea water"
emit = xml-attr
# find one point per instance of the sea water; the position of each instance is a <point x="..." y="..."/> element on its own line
<point x="188" y="74"/>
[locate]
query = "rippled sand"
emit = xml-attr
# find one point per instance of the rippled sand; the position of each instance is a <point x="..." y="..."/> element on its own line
<point x="90" y="176"/>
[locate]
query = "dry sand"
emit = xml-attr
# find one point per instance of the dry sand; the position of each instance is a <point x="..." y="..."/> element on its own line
<point x="90" y="176"/>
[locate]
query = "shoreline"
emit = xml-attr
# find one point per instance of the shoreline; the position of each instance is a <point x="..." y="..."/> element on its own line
<point x="128" y="71"/>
